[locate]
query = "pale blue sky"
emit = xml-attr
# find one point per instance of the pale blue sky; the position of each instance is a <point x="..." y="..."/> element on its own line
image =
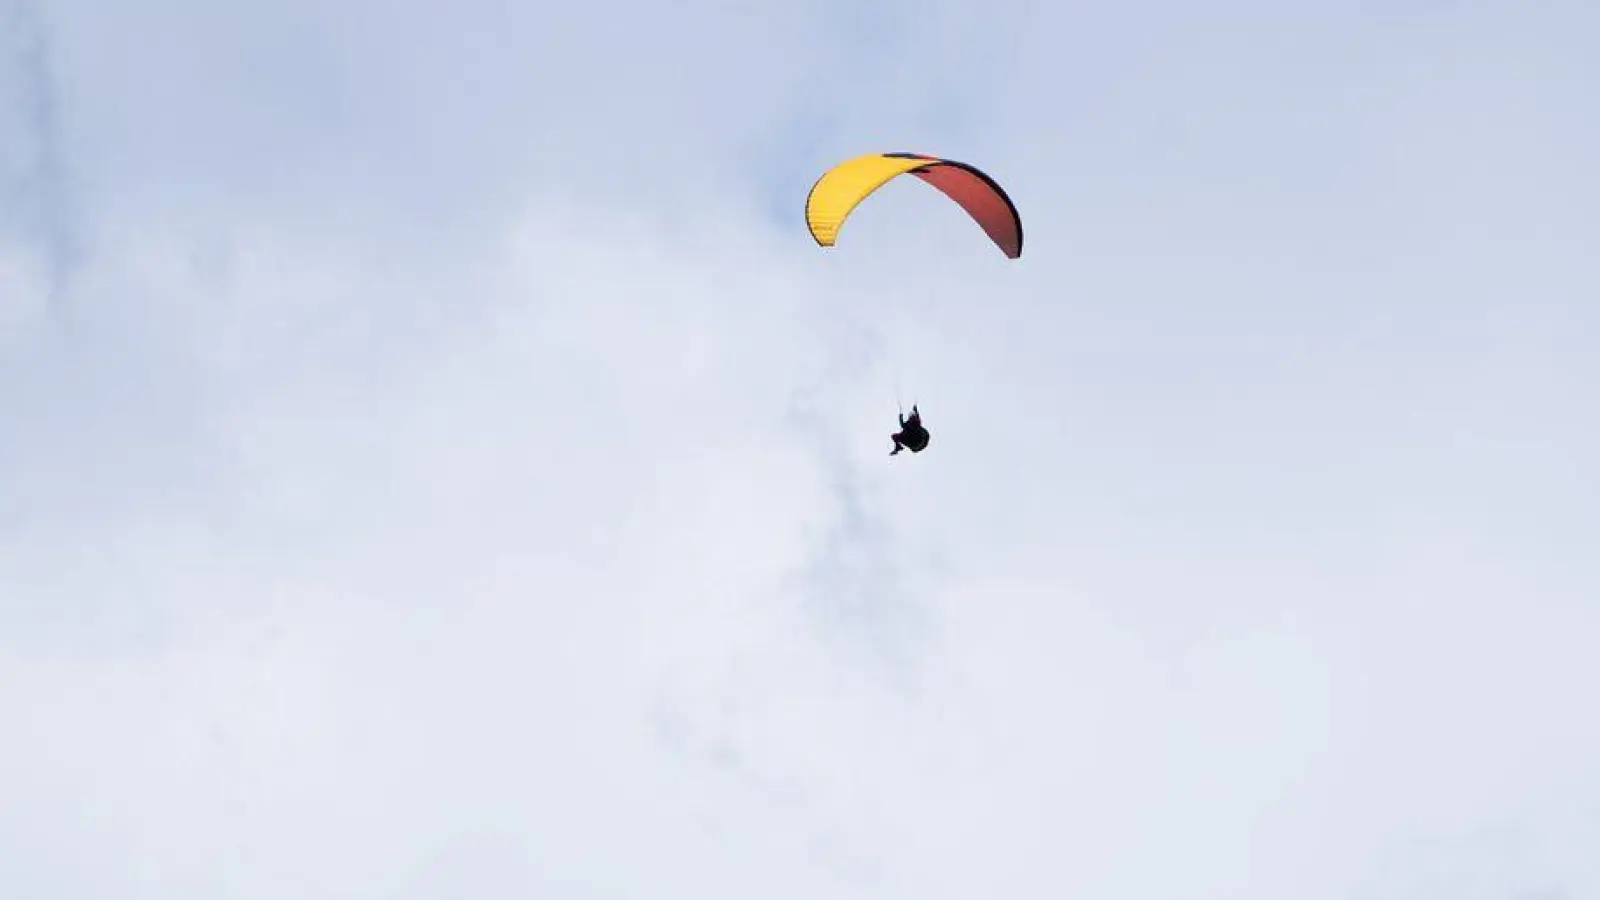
<point x="435" y="458"/>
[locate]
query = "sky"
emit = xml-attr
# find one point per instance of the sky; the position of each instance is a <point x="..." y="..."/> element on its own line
<point x="436" y="460"/>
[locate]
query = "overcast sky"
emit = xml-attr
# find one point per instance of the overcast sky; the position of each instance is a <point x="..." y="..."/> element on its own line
<point x="435" y="461"/>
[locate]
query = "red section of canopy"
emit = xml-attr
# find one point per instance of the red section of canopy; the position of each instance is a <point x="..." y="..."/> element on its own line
<point x="981" y="198"/>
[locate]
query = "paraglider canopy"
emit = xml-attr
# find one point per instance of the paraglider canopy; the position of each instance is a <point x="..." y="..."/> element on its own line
<point x="842" y="188"/>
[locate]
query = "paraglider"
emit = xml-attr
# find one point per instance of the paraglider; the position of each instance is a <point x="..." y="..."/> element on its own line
<point x="912" y="435"/>
<point x="842" y="188"/>
<point x="835" y="195"/>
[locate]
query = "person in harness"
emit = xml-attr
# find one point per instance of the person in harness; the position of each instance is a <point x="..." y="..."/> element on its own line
<point x="911" y="436"/>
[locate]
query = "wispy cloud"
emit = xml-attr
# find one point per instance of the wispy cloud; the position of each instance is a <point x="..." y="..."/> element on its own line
<point x="37" y="240"/>
<point x="462" y="475"/>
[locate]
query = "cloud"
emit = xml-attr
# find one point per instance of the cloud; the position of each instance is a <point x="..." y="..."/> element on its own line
<point x="457" y="472"/>
<point x="36" y="239"/>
